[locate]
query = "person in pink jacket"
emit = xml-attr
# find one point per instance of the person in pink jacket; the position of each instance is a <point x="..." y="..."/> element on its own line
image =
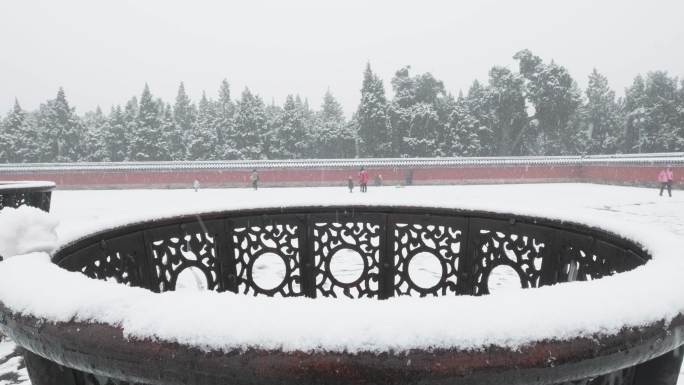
<point x="665" y="178"/>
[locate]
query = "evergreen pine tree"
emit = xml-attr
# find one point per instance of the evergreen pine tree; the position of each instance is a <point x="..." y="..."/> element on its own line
<point x="130" y="118"/>
<point x="331" y="136"/>
<point x="250" y="126"/>
<point x="478" y="109"/>
<point x="601" y="116"/>
<point x="92" y="145"/>
<point x="225" y="125"/>
<point x="679" y="133"/>
<point x="18" y="138"/>
<point x="463" y="129"/>
<point x="60" y="130"/>
<point x="115" y="137"/>
<point x="203" y="139"/>
<point x="184" y="113"/>
<point x="556" y="99"/>
<point x="147" y="141"/>
<point x="274" y="120"/>
<point x="505" y="99"/>
<point x="652" y="114"/>
<point x="290" y="139"/>
<point x="170" y="131"/>
<point x="371" y="117"/>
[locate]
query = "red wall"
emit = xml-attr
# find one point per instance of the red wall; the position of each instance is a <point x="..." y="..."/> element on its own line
<point x="629" y="174"/>
<point x="618" y="174"/>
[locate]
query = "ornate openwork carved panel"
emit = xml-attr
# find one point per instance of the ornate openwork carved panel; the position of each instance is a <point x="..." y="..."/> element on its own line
<point x="267" y="256"/>
<point x="120" y="259"/>
<point x="426" y="254"/>
<point x="582" y="260"/>
<point x="346" y="255"/>
<point x="185" y="256"/>
<point x="16" y="199"/>
<point x="521" y="247"/>
<point x="116" y="266"/>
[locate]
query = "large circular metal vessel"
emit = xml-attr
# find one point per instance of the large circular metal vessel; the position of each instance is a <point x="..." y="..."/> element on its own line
<point x="465" y="248"/>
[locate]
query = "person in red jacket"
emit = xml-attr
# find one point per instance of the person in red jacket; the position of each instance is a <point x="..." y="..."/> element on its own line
<point x="363" y="180"/>
<point x="665" y="178"/>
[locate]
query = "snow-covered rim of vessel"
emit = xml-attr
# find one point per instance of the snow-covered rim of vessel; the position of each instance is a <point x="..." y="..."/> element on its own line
<point x="33" y="286"/>
<point x="6" y="186"/>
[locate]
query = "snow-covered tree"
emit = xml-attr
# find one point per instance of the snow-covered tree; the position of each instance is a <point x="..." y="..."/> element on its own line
<point x="371" y="117"/>
<point x="478" y="109"/>
<point x="331" y="136"/>
<point x="250" y="126"/>
<point x="147" y="139"/>
<point x="653" y="112"/>
<point x="505" y="99"/>
<point x="184" y="113"/>
<point x="18" y="137"/>
<point x="203" y="140"/>
<point x="114" y="140"/>
<point x="601" y="116"/>
<point x="92" y="145"/>
<point x="225" y="124"/>
<point x="290" y="138"/>
<point x="60" y="130"/>
<point x="553" y="93"/>
<point x="462" y="137"/>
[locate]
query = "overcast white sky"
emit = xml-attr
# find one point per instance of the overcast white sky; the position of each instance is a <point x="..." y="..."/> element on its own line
<point x="102" y="52"/>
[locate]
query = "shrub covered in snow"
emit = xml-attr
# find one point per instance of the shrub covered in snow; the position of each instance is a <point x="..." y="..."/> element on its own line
<point x="26" y="229"/>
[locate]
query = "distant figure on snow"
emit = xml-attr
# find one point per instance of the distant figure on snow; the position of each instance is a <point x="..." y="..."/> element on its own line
<point x="665" y="178"/>
<point x="196" y="185"/>
<point x="378" y="180"/>
<point x="363" y="180"/>
<point x="350" y="184"/>
<point x="408" y="176"/>
<point x="254" y="178"/>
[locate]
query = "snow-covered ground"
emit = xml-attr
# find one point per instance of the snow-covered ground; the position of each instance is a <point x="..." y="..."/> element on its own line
<point x="83" y="211"/>
<point x="12" y="370"/>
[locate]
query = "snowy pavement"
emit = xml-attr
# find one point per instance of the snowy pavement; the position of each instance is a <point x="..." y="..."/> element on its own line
<point x="83" y="211"/>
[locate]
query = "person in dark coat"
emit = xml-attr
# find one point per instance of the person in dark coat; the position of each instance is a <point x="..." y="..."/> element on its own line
<point x="408" y="176"/>
<point x="350" y="184"/>
<point x="254" y="178"/>
<point x="363" y="180"/>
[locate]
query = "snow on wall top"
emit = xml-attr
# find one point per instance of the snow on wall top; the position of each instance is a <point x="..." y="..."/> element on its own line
<point x="656" y="159"/>
<point x="33" y="285"/>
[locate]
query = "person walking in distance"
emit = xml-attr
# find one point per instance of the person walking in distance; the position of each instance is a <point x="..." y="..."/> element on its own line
<point x="665" y="177"/>
<point x="363" y="180"/>
<point x="350" y="184"/>
<point x="254" y="178"/>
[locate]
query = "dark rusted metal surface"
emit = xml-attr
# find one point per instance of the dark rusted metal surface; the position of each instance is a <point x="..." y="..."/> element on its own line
<point x="35" y="194"/>
<point x="467" y="245"/>
<point x="103" y="350"/>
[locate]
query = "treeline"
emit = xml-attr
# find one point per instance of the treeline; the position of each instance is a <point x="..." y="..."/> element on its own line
<point x="536" y="110"/>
